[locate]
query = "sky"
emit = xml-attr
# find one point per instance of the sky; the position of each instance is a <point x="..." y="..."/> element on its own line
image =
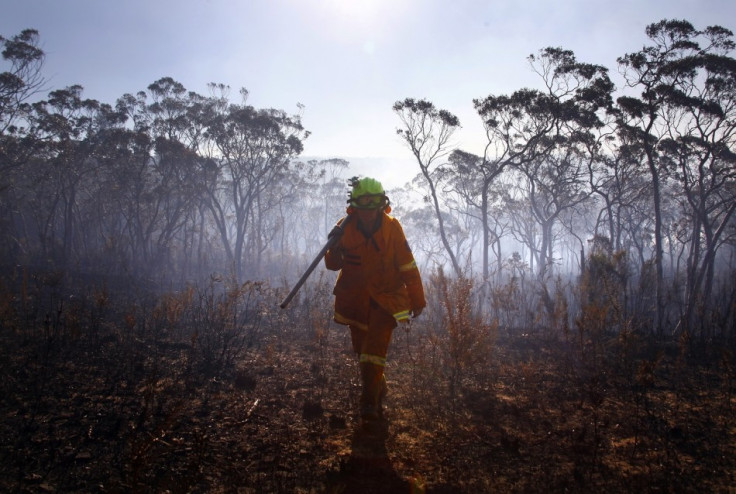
<point x="341" y="63"/>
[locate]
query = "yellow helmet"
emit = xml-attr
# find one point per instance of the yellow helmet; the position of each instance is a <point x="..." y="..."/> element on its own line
<point x="367" y="193"/>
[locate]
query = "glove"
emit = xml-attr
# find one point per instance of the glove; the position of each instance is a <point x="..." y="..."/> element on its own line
<point x="416" y="312"/>
<point x="336" y="252"/>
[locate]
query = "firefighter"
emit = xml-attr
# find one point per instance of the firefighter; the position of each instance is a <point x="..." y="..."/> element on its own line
<point x="378" y="285"/>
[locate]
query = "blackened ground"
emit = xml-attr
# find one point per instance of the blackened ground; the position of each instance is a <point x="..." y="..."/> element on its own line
<point x="109" y="411"/>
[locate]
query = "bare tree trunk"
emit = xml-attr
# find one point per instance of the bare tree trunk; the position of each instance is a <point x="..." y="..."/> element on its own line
<point x="659" y="250"/>
<point x="440" y="221"/>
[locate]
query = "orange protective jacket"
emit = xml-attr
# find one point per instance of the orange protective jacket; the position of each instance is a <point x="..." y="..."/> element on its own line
<point x="380" y="267"/>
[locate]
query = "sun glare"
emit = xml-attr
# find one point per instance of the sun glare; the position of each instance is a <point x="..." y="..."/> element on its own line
<point x="354" y="11"/>
<point x="360" y="19"/>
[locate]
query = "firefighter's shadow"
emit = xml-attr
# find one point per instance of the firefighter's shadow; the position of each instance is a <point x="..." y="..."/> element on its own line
<point x="369" y="468"/>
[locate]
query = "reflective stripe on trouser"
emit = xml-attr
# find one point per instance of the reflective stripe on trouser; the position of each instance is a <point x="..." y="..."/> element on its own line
<point x="372" y="346"/>
<point x="367" y="358"/>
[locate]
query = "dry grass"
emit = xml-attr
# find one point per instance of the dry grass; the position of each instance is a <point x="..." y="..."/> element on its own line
<point x="128" y="402"/>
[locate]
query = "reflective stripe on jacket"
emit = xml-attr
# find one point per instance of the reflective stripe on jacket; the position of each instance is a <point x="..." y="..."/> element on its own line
<point x="380" y="267"/>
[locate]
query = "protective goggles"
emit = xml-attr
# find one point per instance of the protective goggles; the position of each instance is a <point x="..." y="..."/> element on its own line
<point x="371" y="201"/>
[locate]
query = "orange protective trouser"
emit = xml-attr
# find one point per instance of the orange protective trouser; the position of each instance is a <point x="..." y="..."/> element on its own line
<point x="372" y="347"/>
<point x="374" y="341"/>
